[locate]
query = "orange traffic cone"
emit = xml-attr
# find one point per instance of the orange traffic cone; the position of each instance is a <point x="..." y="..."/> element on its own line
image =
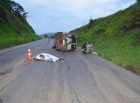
<point x="29" y="56"/>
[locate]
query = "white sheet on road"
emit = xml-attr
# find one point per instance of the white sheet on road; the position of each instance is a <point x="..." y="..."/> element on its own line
<point x="47" y="57"/>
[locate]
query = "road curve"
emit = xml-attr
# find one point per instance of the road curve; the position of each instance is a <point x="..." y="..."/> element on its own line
<point x="76" y="79"/>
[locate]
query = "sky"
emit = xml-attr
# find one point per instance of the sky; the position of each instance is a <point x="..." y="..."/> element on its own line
<point x="47" y="16"/>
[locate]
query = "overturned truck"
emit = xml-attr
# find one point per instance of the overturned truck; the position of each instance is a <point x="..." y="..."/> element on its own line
<point x="65" y="41"/>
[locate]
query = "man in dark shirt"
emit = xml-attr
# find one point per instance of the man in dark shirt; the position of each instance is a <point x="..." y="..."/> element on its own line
<point x="84" y="47"/>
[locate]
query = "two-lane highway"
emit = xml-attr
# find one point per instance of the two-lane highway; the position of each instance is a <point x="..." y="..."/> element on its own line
<point x="76" y="79"/>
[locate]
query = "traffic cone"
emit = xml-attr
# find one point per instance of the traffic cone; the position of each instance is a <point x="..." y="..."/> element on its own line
<point x="29" y="56"/>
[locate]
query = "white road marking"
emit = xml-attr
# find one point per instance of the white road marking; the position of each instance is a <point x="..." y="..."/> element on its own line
<point x="19" y="62"/>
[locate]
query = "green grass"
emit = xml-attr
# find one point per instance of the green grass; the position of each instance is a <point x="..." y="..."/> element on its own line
<point x="12" y="41"/>
<point x="110" y="40"/>
<point x="120" y="52"/>
<point x="14" y="30"/>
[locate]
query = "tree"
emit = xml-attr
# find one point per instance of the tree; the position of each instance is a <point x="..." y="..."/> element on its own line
<point x="18" y="10"/>
<point x="14" y="8"/>
<point x="138" y="0"/>
<point x="45" y="36"/>
<point x="90" y="22"/>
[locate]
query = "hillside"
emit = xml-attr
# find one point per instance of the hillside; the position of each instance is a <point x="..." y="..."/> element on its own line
<point x="115" y="37"/>
<point x="14" y="29"/>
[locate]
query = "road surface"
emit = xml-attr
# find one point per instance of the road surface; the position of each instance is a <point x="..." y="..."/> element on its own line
<point x="76" y="79"/>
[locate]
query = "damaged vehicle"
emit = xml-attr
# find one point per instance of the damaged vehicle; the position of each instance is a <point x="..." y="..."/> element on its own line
<point x="65" y="41"/>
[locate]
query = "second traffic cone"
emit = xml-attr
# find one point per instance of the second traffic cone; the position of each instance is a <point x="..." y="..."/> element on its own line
<point x="29" y="56"/>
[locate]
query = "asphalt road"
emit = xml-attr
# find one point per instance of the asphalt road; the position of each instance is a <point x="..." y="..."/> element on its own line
<point x="76" y="79"/>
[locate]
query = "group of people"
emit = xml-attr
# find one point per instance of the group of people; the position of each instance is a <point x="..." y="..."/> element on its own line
<point x="87" y="48"/>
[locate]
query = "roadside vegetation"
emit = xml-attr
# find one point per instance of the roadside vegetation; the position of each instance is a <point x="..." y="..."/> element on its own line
<point x="115" y="37"/>
<point x="14" y="29"/>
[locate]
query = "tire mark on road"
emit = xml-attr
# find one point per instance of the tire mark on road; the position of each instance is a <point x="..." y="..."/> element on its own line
<point x="75" y="93"/>
<point x="67" y="64"/>
<point x="63" y="53"/>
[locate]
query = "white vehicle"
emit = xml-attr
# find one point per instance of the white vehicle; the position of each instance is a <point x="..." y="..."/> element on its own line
<point x="65" y="41"/>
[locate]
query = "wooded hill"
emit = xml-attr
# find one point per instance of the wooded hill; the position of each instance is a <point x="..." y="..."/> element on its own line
<point x="115" y="37"/>
<point x="14" y="29"/>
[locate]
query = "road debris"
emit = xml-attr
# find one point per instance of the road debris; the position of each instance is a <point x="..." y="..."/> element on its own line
<point x="47" y="57"/>
<point x="95" y="53"/>
<point x="6" y="71"/>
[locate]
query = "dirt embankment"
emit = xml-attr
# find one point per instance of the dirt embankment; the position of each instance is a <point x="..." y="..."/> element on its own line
<point x="133" y="25"/>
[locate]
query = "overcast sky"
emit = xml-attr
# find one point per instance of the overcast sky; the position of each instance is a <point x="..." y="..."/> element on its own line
<point x="66" y="15"/>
